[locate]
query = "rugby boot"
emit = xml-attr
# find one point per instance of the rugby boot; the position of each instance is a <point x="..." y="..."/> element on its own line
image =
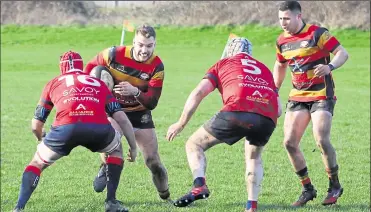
<point x="100" y="180"/>
<point x="332" y="196"/>
<point x="306" y="195"/>
<point x="195" y="194"/>
<point x="251" y="210"/>
<point x="114" y="206"/>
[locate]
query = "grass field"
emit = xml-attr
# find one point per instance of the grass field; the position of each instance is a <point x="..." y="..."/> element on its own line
<point x="29" y="58"/>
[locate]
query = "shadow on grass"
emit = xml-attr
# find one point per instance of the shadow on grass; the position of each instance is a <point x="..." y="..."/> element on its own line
<point x="277" y="207"/>
<point x="165" y="206"/>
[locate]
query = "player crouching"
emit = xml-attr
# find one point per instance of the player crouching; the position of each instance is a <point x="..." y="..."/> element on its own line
<point x="81" y="102"/>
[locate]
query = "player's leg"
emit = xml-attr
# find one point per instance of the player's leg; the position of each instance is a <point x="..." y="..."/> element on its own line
<point x="147" y="142"/>
<point x="254" y="174"/>
<point x="322" y="112"/>
<point x="104" y="143"/>
<point x="197" y="144"/>
<point x="258" y="133"/>
<point x="100" y="180"/>
<point x="297" y="118"/>
<point x="43" y="157"/>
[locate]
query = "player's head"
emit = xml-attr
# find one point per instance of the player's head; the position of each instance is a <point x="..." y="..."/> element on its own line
<point x="70" y="61"/>
<point x="237" y="45"/>
<point x="144" y="43"/>
<point x="289" y="15"/>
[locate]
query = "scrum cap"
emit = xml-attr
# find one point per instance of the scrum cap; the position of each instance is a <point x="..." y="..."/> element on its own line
<point x="237" y="45"/>
<point x="70" y="61"/>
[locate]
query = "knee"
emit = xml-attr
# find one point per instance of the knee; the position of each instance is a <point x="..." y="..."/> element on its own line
<point x="38" y="164"/>
<point x="290" y="145"/>
<point x="153" y="163"/>
<point x="192" y="146"/>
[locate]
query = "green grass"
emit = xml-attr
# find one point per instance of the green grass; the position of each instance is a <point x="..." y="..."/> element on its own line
<point x="29" y="58"/>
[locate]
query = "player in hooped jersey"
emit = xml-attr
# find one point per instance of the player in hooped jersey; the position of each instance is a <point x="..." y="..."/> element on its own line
<point x="306" y="49"/>
<point x="250" y="109"/>
<point x="138" y="74"/>
<point x="81" y="103"/>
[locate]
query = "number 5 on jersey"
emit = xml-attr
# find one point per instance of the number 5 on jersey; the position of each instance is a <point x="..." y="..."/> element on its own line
<point x="252" y="65"/>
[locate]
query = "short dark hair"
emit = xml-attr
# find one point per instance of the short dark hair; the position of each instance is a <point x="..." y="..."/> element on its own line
<point x="290" y="5"/>
<point x="146" y="30"/>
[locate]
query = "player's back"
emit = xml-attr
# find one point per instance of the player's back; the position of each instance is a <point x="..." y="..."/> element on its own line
<point x="78" y="97"/>
<point x="247" y="85"/>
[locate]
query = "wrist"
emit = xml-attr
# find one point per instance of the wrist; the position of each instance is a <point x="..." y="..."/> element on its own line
<point x="332" y="67"/>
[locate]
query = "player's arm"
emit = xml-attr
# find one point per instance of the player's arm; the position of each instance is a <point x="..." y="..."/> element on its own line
<point x="100" y="59"/>
<point x="113" y="109"/>
<point x="279" y="106"/>
<point x="329" y="43"/>
<point x="194" y="99"/>
<point x="197" y="95"/>
<point x="279" y="69"/>
<point x="206" y="86"/>
<point x="42" y="112"/>
<point x="340" y="57"/>
<point x="150" y="98"/>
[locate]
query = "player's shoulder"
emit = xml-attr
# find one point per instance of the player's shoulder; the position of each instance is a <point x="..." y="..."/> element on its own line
<point x="156" y="62"/>
<point x="55" y="79"/>
<point x="319" y="31"/>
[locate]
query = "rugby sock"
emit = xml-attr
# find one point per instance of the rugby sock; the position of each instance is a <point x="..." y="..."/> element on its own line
<point x="30" y="179"/>
<point x="199" y="182"/>
<point x="333" y="177"/>
<point x="304" y="178"/>
<point x="251" y="204"/>
<point x="114" y="168"/>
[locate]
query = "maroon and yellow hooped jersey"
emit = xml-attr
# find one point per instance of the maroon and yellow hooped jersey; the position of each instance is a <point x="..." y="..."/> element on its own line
<point x="303" y="51"/>
<point x="147" y="76"/>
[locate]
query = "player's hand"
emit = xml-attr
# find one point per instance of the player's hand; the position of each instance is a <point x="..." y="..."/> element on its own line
<point x="173" y="131"/>
<point x="132" y="155"/>
<point x="125" y="89"/>
<point x="321" y="70"/>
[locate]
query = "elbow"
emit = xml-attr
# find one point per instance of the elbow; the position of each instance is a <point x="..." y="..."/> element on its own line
<point x="346" y="55"/>
<point x="279" y="112"/>
<point x="37" y="128"/>
<point x="151" y="105"/>
<point x="34" y="130"/>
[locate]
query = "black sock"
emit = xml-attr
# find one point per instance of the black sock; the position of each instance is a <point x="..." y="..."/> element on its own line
<point x="114" y="168"/>
<point x="333" y="177"/>
<point x="30" y="179"/>
<point x="199" y="182"/>
<point x="304" y="178"/>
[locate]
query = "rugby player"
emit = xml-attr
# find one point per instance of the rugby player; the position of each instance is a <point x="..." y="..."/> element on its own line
<point x="81" y="103"/>
<point x="138" y="75"/>
<point x="250" y="110"/>
<point x="306" y="49"/>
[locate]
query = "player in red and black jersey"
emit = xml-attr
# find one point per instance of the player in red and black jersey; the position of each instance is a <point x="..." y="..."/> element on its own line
<point x="250" y="110"/>
<point x="138" y="75"/>
<point x="306" y="49"/>
<point x="81" y="103"/>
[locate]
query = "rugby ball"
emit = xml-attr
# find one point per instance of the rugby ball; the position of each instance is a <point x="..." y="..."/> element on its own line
<point x="102" y="73"/>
